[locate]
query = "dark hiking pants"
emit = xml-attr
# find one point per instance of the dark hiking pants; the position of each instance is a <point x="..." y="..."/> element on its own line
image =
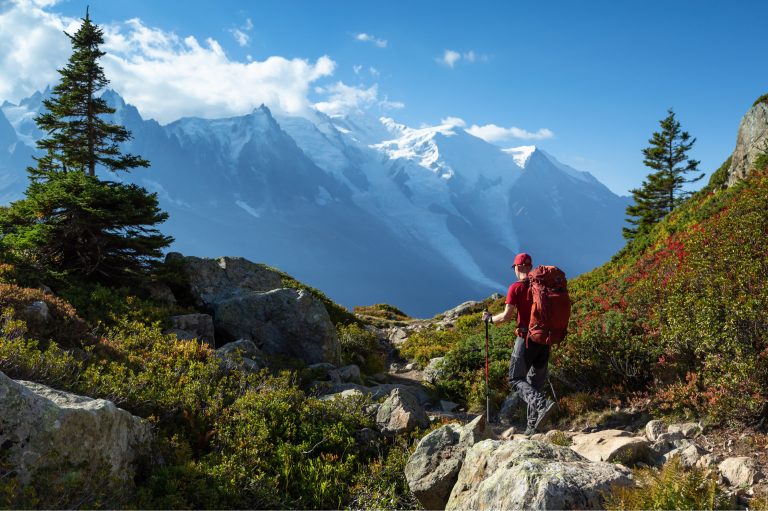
<point x="528" y="374"/>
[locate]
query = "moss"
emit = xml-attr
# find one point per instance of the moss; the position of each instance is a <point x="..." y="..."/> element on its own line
<point x="761" y="99"/>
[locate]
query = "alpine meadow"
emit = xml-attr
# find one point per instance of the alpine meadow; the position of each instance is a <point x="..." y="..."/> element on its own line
<point x="233" y="307"/>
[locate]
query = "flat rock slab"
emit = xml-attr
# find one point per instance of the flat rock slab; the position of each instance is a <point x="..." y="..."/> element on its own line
<point x="532" y="475"/>
<point x="611" y="445"/>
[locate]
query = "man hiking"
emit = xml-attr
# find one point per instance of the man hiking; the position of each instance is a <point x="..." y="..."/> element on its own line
<point x="528" y="365"/>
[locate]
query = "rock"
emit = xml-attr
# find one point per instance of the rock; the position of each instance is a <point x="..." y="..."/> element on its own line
<point x="450" y="316"/>
<point x="527" y="474"/>
<point x="401" y="412"/>
<point x="708" y="460"/>
<point x="383" y="390"/>
<point x="688" y="429"/>
<point x="193" y="326"/>
<point x="286" y="322"/>
<point x="42" y="428"/>
<point x="241" y="355"/>
<point x="345" y="394"/>
<point x="434" y="466"/>
<point x="350" y="373"/>
<point x="654" y="429"/>
<point x="611" y="445"/>
<point x="509" y="433"/>
<point x="397" y="336"/>
<point x="740" y="471"/>
<point x="434" y="370"/>
<point x="325" y="371"/>
<point x="448" y="406"/>
<point x="689" y="455"/>
<point x="37" y="311"/>
<point x="161" y="292"/>
<point x="214" y="280"/>
<point x="750" y="142"/>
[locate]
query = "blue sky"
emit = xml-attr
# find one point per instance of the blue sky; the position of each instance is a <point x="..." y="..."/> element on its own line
<point x="586" y="81"/>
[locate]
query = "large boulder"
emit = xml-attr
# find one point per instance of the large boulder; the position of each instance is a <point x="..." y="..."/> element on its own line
<point x="289" y="322"/>
<point x="740" y="471"/>
<point x="750" y="142"/>
<point x="401" y="412"/>
<point x="434" y="466"/>
<point x="193" y="326"/>
<point x="528" y="474"/>
<point x="611" y="445"/>
<point x="213" y="280"/>
<point x="45" y="429"/>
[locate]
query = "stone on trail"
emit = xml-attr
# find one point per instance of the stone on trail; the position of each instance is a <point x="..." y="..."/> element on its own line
<point x="611" y="445"/>
<point x="527" y="474"/>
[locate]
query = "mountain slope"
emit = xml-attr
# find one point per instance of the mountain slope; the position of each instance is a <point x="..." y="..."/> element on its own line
<point x="682" y="311"/>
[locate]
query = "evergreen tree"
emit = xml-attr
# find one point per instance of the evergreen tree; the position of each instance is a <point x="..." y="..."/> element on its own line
<point x="662" y="191"/>
<point x="71" y="222"/>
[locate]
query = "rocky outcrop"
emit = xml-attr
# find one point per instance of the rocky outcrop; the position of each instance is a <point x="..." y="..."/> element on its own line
<point x="528" y="474"/>
<point x="751" y="141"/>
<point x="434" y="370"/>
<point x="248" y="301"/>
<point x="214" y="280"/>
<point x="740" y="471"/>
<point x="401" y="412"/>
<point x="434" y="466"/>
<point x="611" y="445"/>
<point x="42" y="428"/>
<point x="289" y="322"/>
<point x="193" y="326"/>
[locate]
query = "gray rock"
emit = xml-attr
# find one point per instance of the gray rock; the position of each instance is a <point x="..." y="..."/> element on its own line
<point x="161" y="292"/>
<point x="397" y="335"/>
<point x="740" y="471"/>
<point x="434" y="466"/>
<point x="38" y="311"/>
<point x="400" y="413"/>
<point x="44" y="428"/>
<point x="350" y="373"/>
<point x="688" y="429"/>
<point x="689" y="455"/>
<point x="611" y="445"/>
<point x="654" y="429"/>
<point x="509" y="408"/>
<point x="448" y="406"/>
<point x="383" y="390"/>
<point x="527" y="474"/>
<point x="750" y="142"/>
<point x="214" y="280"/>
<point x="241" y="355"/>
<point x="193" y="326"/>
<point x="434" y="370"/>
<point x="286" y="322"/>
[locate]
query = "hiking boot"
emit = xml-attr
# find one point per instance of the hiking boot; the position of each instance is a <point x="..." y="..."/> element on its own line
<point x="530" y="431"/>
<point x="544" y="412"/>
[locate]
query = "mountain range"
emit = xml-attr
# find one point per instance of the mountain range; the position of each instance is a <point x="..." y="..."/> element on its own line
<point x="365" y="208"/>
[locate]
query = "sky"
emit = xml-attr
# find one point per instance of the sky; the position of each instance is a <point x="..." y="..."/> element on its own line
<point x="586" y="81"/>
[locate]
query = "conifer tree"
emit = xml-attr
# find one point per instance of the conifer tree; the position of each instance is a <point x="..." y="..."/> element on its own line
<point x="71" y="223"/>
<point x="662" y="190"/>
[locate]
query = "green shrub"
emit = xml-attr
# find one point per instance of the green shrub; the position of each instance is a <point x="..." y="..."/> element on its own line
<point x="672" y="487"/>
<point x="381" y="310"/>
<point x="361" y="347"/>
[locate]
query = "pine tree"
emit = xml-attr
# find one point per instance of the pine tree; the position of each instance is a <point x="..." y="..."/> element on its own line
<point x="662" y="191"/>
<point x="71" y="223"/>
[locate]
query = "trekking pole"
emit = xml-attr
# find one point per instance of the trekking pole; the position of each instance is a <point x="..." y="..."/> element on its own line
<point x="553" y="392"/>
<point x="487" y="386"/>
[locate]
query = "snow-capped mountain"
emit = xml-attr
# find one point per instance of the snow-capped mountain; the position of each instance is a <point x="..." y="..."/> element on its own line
<point x="366" y="209"/>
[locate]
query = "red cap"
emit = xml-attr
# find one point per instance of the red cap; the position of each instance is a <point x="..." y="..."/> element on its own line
<point x="522" y="258"/>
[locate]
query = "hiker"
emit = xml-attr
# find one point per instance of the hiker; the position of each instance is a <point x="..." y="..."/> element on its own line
<point x="528" y="364"/>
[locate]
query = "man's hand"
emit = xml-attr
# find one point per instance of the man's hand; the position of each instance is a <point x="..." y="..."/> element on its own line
<point x="487" y="317"/>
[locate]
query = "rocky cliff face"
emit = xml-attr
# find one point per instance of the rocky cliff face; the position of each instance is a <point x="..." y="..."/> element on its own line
<point x="751" y="141"/>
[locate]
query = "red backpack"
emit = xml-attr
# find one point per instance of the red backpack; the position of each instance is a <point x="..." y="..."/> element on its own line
<point x="551" y="305"/>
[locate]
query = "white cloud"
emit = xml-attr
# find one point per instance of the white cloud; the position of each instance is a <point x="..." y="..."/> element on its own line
<point x="470" y="56"/>
<point x="449" y="58"/>
<point x="241" y="37"/>
<point x="343" y="99"/>
<point x="368" y="38"/>
<point x="494" y="133"/>
<point x="374" y="72"/>
<point x="165" y="75"/>
<point x="357" y="69"/>
<point x="248" y="24"/>
<point x="454" y="121"/>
